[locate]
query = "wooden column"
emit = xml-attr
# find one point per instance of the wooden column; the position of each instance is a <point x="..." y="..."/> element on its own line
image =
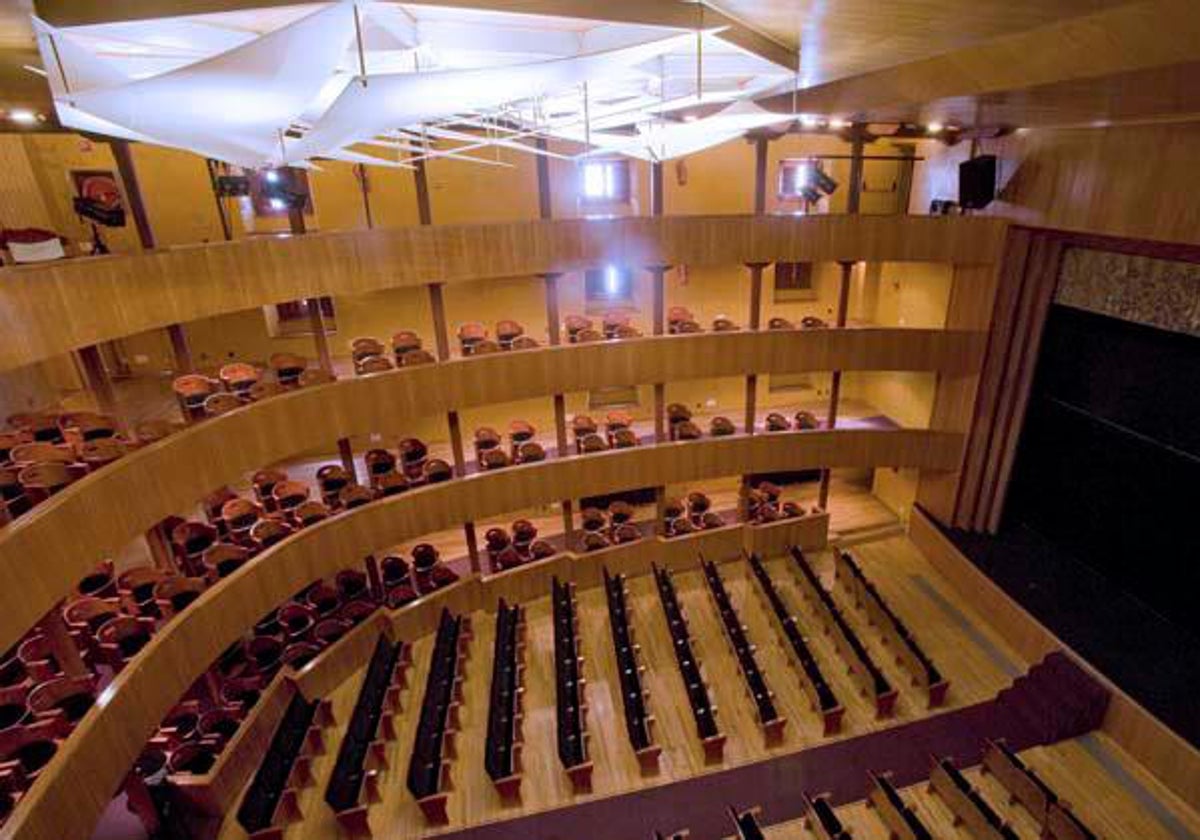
<point x="472" y="547"/>
<point x="658" y="274"/>
<point x="424" y="210"/>
<point x="554" y="335"/>
<point x="316" y="321"/>
<point x="180" y="350"/>
<point x="553" y="320"/>
<point x="760" y="174"/>
<point x="460" y="469"/>
<point x="756" y="276"/>
<point x="545" y="203"/>
<point x="346" y="453"/>
<point x="364" y="187"/>
<point x="835" y="389"/>
<point x="656" y="188"/>
<point x="374" y="579"/>
<point x="123" y="157"/>
<point x="441" y="331"/>
<point x="857" y="145"/>
<point x="61" y="644"/>
<point x="96" y="378"/>
<point x="222" y="214"/>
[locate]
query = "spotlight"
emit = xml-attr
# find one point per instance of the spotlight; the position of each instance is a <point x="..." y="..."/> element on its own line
<point x="23" y="116"/>
<point x="272" y="176"/>
<point x="933" y="128"/>
<point x="278" y="204"/>
<point x="837" y="124"/>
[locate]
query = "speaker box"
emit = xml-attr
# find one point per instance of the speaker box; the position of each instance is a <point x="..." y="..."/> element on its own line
<point x="977" y="182"/>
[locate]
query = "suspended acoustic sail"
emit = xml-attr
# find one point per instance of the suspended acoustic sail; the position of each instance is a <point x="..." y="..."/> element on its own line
<point x="235" y="105"/>
<point x="401" y="99"/>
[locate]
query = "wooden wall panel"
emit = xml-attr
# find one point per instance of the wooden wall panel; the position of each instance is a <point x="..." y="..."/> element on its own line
<point x="43" y="553"/>
<point x="57" y="307"/>
<point x="78" y="784"/>
<point x="972" y="298"/>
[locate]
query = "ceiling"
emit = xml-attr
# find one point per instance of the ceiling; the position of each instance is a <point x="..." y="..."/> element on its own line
<point x="840" y="38"/>
<point x="971" y="61"/>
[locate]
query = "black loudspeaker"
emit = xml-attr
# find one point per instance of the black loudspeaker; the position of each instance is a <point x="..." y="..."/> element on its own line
<point x="977" y="182"/>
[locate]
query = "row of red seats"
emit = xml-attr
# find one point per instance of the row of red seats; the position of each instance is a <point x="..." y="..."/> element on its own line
<point x="507" y="550"/>
<point x="239" y="383"/>
<point x="473" y="339"/>
<point x="763" y="504"/>
<point x="370" y="355"/>
<point x="613" y="526"/>
<point x="522" y="448"/>
<point x="689" y="514"/>
<point x="42" y="453"/>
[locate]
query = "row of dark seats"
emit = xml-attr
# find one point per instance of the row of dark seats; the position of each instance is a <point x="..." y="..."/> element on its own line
<point x="344" y="790"/>
<point x="822" y="819"/>
<point x="703" y="710"/>
<point x="897" y="814"/>
<point x="746" y="823"/>
<point x="971" y="799"/>
<point x="426" y="770"/>
<point x="569" y="685"/>
<point x="260" y="805"/>
<point x="633" y="695"/>
<point x="847" y="641"/>
<point x="1025" y="786"/>
<point x="735" y="632"/>
<point x="852" y="577"/>
<point x="501" y="756"/>
<point x="816" y="686"/>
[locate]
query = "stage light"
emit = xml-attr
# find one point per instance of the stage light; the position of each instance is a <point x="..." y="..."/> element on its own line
<point x="272" y="176"/>
<point x="23" y="116"/>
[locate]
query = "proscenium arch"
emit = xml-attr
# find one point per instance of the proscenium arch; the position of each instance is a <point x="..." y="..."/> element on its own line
<point x="55" y="308"/>
<point x="73" y="790"/>
<point x="44" y="552"/>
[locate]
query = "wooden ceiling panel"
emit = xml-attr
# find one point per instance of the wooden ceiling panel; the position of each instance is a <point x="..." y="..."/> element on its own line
<point x="840" y="38"/>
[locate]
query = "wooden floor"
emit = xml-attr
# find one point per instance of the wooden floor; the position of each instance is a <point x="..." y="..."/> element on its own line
<point x="1126" y="804"/>
<point x="975" y="659"/>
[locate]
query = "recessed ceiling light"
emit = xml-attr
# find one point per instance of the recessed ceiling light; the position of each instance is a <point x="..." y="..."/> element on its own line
<point x="23" y="116"/>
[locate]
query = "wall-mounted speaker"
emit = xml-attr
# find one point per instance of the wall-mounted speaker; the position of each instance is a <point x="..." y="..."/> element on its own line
<point x="977" y="182"/>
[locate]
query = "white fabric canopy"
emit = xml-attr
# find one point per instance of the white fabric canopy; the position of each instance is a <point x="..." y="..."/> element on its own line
<point x="286" y="84"/>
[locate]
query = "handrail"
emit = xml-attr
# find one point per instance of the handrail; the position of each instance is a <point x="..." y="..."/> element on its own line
<point x="53" y="308"/>
<point x="43" y="553"/>
<point x="73" y="790"/>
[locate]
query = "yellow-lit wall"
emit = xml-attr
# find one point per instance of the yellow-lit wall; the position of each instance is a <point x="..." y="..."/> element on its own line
<point x="183" y="210"/>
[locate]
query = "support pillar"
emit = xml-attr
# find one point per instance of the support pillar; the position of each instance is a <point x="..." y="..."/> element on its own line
<point x="66" y="654"/>
<point x="441" y="331"/>
<point x="181" y="351"/>
<point x="96" y="377"/>
<point x="123" y="156"/>
<point x="316" y="320"/>
<point x="346" y="453"/>
<point x="364" y="186"/>
<point x="835" y="388"/>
